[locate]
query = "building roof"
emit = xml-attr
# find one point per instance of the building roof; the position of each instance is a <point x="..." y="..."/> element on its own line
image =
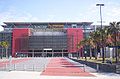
<point x="42" y="24"/>
<point x="47" y="23"/>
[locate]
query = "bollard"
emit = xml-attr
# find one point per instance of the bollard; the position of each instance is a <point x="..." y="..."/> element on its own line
<point x="14" y="67"/>
<point x="97" y="67"/>
<point x="10" y="67"/>
<point x="44" y="67"/>
<point x="33" y="67"/>
<point x="23" y="67"/>
<point x="84" y="67"/>
<point x="6" y="66"/>
<point x="10" y="63"/>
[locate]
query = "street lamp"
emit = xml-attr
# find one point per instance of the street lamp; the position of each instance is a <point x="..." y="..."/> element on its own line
<point x="100" y="12"/>
<point x="101" y="33"/>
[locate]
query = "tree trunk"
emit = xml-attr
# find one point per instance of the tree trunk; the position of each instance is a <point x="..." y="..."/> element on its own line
<point x="90" y="53"/>
<point x="6" y="53"/>
<point x="2" y="54"/>
<point x="116" y="55"/>
<point x="103" y="55"/>
<point x="113" y="54"/>
<point x="95" y="53"/>
<point x="82" y="53"/>
<point x="105" y="52"/>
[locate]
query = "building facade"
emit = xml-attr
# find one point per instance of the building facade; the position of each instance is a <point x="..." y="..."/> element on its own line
<point x="44" y="39"/>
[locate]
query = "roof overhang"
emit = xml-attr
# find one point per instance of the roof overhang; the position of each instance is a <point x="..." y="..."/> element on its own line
<point x="48" y="22"/>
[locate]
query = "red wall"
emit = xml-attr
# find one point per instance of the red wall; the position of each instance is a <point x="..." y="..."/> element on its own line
<point x="18" y="33"/>
<point x="75" y="35"/>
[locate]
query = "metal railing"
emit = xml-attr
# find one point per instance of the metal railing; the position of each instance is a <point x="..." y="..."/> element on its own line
<point x="35" y="64"/>
<point x="22" y="67"/>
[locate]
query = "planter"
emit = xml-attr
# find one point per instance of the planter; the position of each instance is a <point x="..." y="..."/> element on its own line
<point x="102" y="67"/>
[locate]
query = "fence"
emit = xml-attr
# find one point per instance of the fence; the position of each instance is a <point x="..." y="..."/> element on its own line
<point x="36" y="64"/>
<point x="23" y="67"/>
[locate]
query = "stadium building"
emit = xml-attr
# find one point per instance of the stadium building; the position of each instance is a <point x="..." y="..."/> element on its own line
<point x="44" y="39"/>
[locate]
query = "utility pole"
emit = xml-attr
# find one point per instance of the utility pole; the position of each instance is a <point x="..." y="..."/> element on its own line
<point x="103" y="54"/>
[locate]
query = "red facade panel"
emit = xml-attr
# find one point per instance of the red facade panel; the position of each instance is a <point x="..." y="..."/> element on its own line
<point x="75" y="35"/>
<point x="18" y="33"/>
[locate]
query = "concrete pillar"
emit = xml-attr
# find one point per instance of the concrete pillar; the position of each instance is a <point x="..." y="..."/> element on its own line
<point x="46" y="54"/>
<point x="52" y="54"/>
<point x="33" y="53"/>
<point x="42" y="53"/>
<point x="62" y="53"/>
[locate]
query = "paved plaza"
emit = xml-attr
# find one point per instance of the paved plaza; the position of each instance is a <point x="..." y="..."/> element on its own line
<point x="51" y="68"/>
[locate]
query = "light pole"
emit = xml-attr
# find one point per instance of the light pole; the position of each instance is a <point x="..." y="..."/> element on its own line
<point x="103" y="56"/>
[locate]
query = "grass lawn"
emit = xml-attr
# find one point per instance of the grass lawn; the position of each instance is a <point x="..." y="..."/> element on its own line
<point x="99" y="60"/>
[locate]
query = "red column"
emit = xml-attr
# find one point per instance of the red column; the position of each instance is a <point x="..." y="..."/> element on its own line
<point x="17" y="34"/>
<point x="75" y="35"/>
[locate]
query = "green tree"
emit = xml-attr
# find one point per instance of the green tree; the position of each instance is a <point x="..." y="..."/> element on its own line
<point x="5" y="45"/>
<point x="114" y="33"/>
<point x="96" y="41"/>
<point x="2" y="50"/>
<point x="91" y="45"/>
<point x="81" y="44"/>
<point x="88" y="42"/>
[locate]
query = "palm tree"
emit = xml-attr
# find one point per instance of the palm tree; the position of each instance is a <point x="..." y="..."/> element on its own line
<point x="2" y="50"/>
<point x="100" y="37"/>
<point x="104" y="35"/>
<point x="82" y="44"/>
<point x="87" y="42"/>
<point x="95" y="41"/>
<point x="5" y="45"/>
<point x="91" y="45"/>
<point x="114" y="31"/>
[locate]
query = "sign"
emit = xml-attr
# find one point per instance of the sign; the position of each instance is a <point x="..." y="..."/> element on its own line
<point x="55" y="26"/>
<point x="47" y="49"/>
<point x="40" y="26"/>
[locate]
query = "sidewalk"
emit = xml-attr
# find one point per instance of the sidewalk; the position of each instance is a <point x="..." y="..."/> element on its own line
<point x="7" y="59"/>
<point x="4" y="59"/>
<point x="36" y="75"/>
<point x="64" y="67"/>
<point x="57" y="63"/>
<point x="5" y="62"/>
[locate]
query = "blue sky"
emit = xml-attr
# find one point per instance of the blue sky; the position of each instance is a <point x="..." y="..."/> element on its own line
<point x="58" y="10"/>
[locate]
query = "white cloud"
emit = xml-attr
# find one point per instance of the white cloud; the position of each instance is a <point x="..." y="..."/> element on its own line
<point x="14" y="15"/>
<point x="110" y="13"/>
